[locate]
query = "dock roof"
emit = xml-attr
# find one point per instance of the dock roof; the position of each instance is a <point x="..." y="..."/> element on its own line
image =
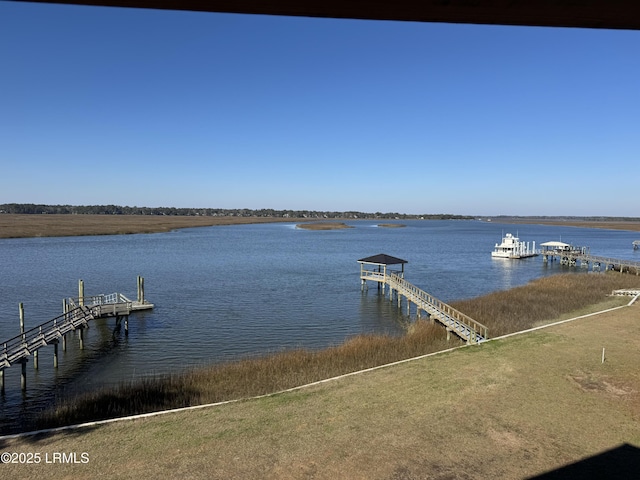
<point x="555" y="244"/>
<point x="382" y="259"/>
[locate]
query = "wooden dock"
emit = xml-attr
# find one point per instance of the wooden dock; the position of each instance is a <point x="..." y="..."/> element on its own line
<point x="77" y="313"/>
<point x="453" y="320"/>
<point x="581" y="257"/>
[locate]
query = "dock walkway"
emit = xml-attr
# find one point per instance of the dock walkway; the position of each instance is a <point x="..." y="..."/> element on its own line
<point x="455" y="321"/>
<point x="585" y="259"/>
<point x="78" y="312"/>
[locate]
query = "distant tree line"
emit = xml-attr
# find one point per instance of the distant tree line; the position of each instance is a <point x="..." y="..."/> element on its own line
<point x="30" y="208"/>
<point x="561" y="218"/>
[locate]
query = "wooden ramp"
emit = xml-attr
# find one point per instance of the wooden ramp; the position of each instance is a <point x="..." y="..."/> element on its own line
<point x="455" y="321"/>
<point x="19" y="348"/>
<point x="78" y="312"/>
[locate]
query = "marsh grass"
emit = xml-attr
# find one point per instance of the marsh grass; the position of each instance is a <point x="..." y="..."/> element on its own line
<point x="21" y="226"/>
<point x="541" y="301"/>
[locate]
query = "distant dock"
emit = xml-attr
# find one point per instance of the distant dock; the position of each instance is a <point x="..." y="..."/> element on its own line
<point x="571" y="255"/>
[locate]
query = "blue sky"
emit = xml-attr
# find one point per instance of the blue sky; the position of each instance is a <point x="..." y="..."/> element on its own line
<point x="185" y="109"/>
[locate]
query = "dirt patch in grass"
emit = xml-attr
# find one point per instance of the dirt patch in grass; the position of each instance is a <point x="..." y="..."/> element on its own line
<point x="19" y="226"/>
<point x="508" y="409"/>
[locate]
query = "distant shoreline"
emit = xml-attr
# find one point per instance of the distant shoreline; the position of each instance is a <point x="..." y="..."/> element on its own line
<point x="632" y="226"/>
<point x="64" y="225"/>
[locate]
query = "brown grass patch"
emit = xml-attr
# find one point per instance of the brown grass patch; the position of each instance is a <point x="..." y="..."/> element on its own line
<point x="20" y="226"/>
<point x="247" y="378"/>
<point x="545" y="300"/>
<point x="633" y="226"/>
<point x="323" y="226"/>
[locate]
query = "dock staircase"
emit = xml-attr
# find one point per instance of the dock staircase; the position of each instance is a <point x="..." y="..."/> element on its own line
<point x="453" y="320"/>
<point x="19" y="348"/>
<point x="77" y="313"/>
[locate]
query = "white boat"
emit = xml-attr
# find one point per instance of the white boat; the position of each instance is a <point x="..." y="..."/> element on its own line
<point x="512" y="247"/>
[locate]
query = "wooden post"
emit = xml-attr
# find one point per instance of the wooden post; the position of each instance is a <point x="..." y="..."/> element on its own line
<point x="35" y="359"/>
<point x="21" y="309"/>
<point x="140" y="289"/>
<point x="23" y="375"/>
<point x="55" y="354"/>
<point x="81" y="335"/>
<point x="126" y="325"/>
<point x="80" y="292"/>
<point x="2" y="382"/>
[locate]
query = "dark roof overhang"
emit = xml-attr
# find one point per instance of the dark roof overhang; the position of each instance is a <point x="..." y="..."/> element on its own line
<point x="608" y="14"/>
<point x="382" y="259"/>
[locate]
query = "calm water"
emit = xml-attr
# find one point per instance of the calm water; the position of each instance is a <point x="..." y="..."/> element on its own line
<point x="225" y="292"/>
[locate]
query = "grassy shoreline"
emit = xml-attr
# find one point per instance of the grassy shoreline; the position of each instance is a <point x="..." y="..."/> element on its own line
<point x="511" y="409"/>
<point x="542" y="301"/>
<point x="25" y="226"/>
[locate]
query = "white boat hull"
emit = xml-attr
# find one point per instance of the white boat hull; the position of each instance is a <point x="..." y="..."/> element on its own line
<point x="512" y="247"/>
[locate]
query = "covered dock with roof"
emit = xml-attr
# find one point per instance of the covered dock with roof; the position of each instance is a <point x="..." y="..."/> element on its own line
<point x="375" y="268"/>
<point x="564" y="251"/>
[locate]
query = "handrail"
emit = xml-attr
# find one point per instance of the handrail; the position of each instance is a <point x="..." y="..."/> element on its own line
<point x="617" y="261"/>
<point x="82" y="310"/>
<point x="103" y="299"/>
<point x="38" y="334"/>
<point x="596" y="258"/>
<point x="474" y="327"/>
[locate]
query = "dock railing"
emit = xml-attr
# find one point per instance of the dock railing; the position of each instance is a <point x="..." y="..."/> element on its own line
<point x="461" y="324"/>
<point x="21" y="346"/>
<point x="112" y="304"/>
<point x="456" y="321"/>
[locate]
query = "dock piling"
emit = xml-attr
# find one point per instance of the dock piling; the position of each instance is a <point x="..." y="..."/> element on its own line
<point x="80" y="293"/>
<point x="140" y="289"/>
<point x="21" y="309"/>
<point x="23" y="375"/>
